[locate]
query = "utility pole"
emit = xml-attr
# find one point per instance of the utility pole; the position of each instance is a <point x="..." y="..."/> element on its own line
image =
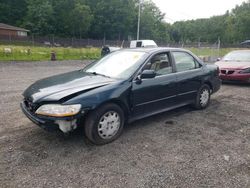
<point x="139" y="20"/>
<point x="218" y="47"/>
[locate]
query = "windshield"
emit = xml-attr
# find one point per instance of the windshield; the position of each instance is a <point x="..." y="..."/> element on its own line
<point x="238" y="56"/>
<point x="121" y="64"/>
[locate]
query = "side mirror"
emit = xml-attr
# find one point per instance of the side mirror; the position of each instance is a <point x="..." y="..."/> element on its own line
<point x="147" y="74"/>
<point x="218" y="59"/>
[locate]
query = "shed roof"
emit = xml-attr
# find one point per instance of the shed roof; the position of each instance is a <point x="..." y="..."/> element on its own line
<point x="10" y="27"/>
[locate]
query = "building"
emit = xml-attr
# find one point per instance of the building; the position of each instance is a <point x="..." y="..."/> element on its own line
<point x="12" y="31"/>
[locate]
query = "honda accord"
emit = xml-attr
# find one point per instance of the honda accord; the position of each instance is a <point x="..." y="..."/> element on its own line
<point x="122" y="87"/>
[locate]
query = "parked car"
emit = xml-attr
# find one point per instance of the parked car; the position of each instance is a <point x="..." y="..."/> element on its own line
<point x="235" y="66"/>
<point x="133" y="44"/>
<point x="142" y="44"/>
<point x="122" y="87"/>
<point x="246" y="43"/>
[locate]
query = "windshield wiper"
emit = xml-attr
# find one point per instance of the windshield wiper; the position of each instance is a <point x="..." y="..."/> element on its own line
<point x="95" y="73"/>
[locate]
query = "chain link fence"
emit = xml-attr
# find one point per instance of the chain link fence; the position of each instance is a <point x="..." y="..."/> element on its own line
<point x="206" y="51"/>
<point x="53" y="41"/>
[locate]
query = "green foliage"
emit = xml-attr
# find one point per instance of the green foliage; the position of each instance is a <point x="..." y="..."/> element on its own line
<point x="232" y="27"/>
<point x="39" y="17"/>
<point x="152" y="25"/>
<point x="113" y="19"/>
<point x="12" y="11"/>
<point x="26" y="53"/>
<point x="35" y="53"/>
<point x="80" y="19"/>
<point x="117" y="20"/>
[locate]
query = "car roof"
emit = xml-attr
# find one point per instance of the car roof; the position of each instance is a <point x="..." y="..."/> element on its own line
<point x="152" y="50"/>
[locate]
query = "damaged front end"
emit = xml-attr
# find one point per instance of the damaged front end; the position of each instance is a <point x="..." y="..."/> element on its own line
<point x="50" y="102"/>
<point x="66" y="122"/>
<point x="66" y="126"/>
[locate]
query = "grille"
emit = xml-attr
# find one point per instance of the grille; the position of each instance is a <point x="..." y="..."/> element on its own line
<point x="223" y="71"/>
<point x="32" y="107"/>
<point x="227" y="71"/>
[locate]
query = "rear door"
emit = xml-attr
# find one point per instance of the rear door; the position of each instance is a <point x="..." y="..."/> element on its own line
<point x="189" y="75"/>
<point x="155" y="94"/>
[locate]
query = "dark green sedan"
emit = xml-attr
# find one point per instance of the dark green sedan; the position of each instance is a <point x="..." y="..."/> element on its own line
<point x="122" y="87"/>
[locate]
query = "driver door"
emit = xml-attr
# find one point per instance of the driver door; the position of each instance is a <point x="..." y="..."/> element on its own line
<point x="155" y="94"/>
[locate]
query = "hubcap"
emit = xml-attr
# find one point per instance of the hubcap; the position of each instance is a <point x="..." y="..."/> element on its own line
<point x="204" y="97"/>
<point x="109" y="125"/>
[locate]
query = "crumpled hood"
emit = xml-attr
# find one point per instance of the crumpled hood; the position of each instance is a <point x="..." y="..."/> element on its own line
<point x="233" y="64"/>
<point x="58" y="87"/>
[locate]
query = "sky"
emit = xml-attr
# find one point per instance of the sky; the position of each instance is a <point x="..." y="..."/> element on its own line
<point x="177" y="10"/>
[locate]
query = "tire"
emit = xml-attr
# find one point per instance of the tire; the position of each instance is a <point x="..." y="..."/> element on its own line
<point x="105" y="124"/>
<point x="202" y="100"/>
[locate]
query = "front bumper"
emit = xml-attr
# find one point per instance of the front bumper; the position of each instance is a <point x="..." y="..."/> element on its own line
<point x="65" y="124"/>
<point x="45" y="123"/>
<point x="236" y="77"/>
<point x="216" y="84"/>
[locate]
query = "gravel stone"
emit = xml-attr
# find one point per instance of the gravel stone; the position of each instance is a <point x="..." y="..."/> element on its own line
<point x="180" y="148"/>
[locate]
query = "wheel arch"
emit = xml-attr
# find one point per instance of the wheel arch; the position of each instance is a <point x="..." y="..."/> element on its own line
<point x="209" y="84"/>
<point x="119" y="103"/>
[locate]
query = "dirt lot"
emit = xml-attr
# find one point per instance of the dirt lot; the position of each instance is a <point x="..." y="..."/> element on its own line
<point x="181" y="148"/>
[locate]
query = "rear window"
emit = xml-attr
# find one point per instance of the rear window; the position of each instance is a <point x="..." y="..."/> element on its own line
<point x="185" y="62"/>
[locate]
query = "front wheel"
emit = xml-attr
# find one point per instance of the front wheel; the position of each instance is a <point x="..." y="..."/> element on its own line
<point x="203" y="97"/>
<point x="105" y="124"/>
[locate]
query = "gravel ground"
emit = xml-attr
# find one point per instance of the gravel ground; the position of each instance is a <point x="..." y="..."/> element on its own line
<point x="181" y="148"/>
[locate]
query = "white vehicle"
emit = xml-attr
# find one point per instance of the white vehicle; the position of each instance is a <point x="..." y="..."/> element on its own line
<point x="142" y="43"/>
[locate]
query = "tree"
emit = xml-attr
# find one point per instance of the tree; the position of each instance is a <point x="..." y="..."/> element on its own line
<point x="40" y="17"/>
<point x="242" y="21"/>
<point x="117" y="19"/>
<point x="113" y="19"/>
<point x="152" y="25"/>
<point x="80" y="20"/>
<point x="12" y="11"/>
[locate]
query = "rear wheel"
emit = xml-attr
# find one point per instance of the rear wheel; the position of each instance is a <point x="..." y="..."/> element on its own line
<point x="203" y="97"/>
<point x="105" y="124"/>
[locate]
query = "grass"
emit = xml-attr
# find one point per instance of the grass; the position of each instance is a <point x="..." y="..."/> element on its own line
<point x="26" y="53"/>
<point x="34" y="53"/>
<point x="211" y="51"/>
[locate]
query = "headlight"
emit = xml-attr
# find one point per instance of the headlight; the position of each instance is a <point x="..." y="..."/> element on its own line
<point x="245" y="71"/>
<point x="57" y="110"/>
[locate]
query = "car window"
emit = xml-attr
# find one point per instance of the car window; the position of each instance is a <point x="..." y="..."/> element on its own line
<point x="139" y="44"/>
<point x="241" y="55"/>
<point x="185" y="61"/>
<point x="160" y="63"/>
<point x="120" y="64"/>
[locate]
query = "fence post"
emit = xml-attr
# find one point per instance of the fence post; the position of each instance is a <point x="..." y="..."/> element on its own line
<point x="10" y="37"/>
<point x="53" y="40"/>
<point x="33" y="42"/>
<point x="104" y="39"/>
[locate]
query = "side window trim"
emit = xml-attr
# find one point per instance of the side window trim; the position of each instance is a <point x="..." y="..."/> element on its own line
<point x="168" y="53"/>
<point x="174" y="61"/>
